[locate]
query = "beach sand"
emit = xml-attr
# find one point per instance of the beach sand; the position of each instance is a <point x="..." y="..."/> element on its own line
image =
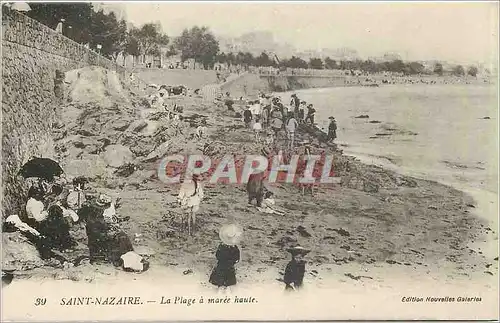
<point x="375" y="238"/>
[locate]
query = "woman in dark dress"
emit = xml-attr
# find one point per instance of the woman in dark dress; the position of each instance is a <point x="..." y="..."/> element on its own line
<point x="228" y="254"/>
<point x="295" y="269"/>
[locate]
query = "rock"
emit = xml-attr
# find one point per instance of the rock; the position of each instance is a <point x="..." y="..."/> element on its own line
<point x="126" y="170"/>
<point x="158" y="152"/>
<point x="374" y="121"/>
<point x="91" y="166"/>
<point x="342" y="232"/>
<point x="363" y="116"/>
<point x="121" y="125"/>
<point x="432" y="207"/>
<point x="138" y="125"/>
<point x="356" y="277"/>
<point x="370" y="187"/>
<point x="117" y="155"/>
<point x="486" y="118"/>
<point x="150" y="128"/>
<point x="285" y="241"/>
<point x="303" y="232"/>
<point x="18" y="253"/>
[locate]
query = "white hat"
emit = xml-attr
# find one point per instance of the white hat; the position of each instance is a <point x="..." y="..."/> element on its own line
<point x="230" y="234"/>
<point x="103" y="200"/>
<point x="295" y="250"/>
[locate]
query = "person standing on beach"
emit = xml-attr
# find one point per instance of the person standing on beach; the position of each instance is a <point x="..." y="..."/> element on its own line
<point x="310" y="114"/>
<point x="247" y="116"/>
<point x="291" y="126"/>
<point x="265" y="117"/>
<point x="228" y="255"/>
<point x="295" y="104"/>
<point x="295" y="269"/>
<point x="257" y="128"/>
<point x="301" y="111"/>
<point x="332" y="130"/>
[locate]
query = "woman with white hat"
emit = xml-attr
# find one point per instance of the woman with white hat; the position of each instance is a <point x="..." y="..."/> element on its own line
<point x="228" y="254"/>
<point x="189" y="198"/>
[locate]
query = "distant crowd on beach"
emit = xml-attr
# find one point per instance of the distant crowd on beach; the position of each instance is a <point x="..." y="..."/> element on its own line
<point x="268" y="116"/>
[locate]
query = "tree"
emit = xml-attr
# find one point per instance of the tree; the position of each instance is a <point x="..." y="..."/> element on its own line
<point x="295" y="62"/>
<point x="248" y="59"/>
<point x="369" y="66"/>
<point x="230" y="59"/>
<point x="221" y="58"/>
<point x="396" y="66"/>
<point x="146" y="40"/>
<point x="438" y="69"/>
<point x="264" y="60"/>
<point x="415" y="68"/>
<point x="458" y="70"/>
<point x="110" y="33"/>
<point x="171" y="51"/>
<point x="472" y="71"/>
<point x="330" y="64"/>
<point x="77" y="15"/>
<point x="198" y="43"/>
<point x="316" y="63"/>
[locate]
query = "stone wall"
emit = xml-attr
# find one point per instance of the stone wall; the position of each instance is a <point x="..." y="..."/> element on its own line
<point x="31" y="55"/>
<point x="251" y="84"/>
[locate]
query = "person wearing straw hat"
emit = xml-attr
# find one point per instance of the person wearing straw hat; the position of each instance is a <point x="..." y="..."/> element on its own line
<point x="332" y="130"/>
<point x="228" y="254"/>
<point x="295" y="269"/>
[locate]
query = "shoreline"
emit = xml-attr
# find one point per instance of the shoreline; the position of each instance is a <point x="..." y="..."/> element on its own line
<point x="386" y="223"/>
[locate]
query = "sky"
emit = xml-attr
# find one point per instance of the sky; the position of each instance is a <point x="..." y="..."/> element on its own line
<point x="458" y="31"/>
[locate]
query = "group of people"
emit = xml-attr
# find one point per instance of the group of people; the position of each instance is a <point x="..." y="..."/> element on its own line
<point x="228" y="255"/>
<point x="56" y="206"/>
<point x="269" y="114"/>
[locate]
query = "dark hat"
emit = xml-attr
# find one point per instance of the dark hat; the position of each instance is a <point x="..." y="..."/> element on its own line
<point x="296" y="250"/>
<point x="331" y="118"/>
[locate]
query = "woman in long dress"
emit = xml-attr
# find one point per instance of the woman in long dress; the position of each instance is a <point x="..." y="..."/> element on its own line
<point x="189" y="198"/>
<point x="228" y="255"/>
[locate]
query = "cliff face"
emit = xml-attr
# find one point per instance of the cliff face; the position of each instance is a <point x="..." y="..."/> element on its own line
<point x="34" y="59"/>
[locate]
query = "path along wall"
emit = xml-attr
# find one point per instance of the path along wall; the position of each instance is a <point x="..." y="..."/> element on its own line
<point x="32" y="53"/>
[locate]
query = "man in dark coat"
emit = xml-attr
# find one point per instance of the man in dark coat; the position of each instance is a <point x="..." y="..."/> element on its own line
<point x="332" y="130"/>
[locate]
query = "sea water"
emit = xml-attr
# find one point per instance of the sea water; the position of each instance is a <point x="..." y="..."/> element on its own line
<point x="447" y="133"/>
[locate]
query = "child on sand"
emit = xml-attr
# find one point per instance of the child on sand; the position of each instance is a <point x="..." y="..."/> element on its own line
<point x="228" y="254"/>
<point x="295" y="269"/>
<point x="269" y="205"/>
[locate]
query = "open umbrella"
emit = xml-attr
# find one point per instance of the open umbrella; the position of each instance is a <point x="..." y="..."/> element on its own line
<point x="20" y="6"/>
<point x="45" y="168"/>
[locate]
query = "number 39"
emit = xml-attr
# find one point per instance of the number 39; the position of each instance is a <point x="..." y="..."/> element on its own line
<point x="40" y="301"/>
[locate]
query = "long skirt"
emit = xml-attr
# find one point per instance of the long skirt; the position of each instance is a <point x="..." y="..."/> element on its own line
<point x="223" y="276"/>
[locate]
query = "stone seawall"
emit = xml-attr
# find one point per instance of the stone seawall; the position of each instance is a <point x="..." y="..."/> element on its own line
<point x="31" y="94"/>
<point x="251" y="84"/>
